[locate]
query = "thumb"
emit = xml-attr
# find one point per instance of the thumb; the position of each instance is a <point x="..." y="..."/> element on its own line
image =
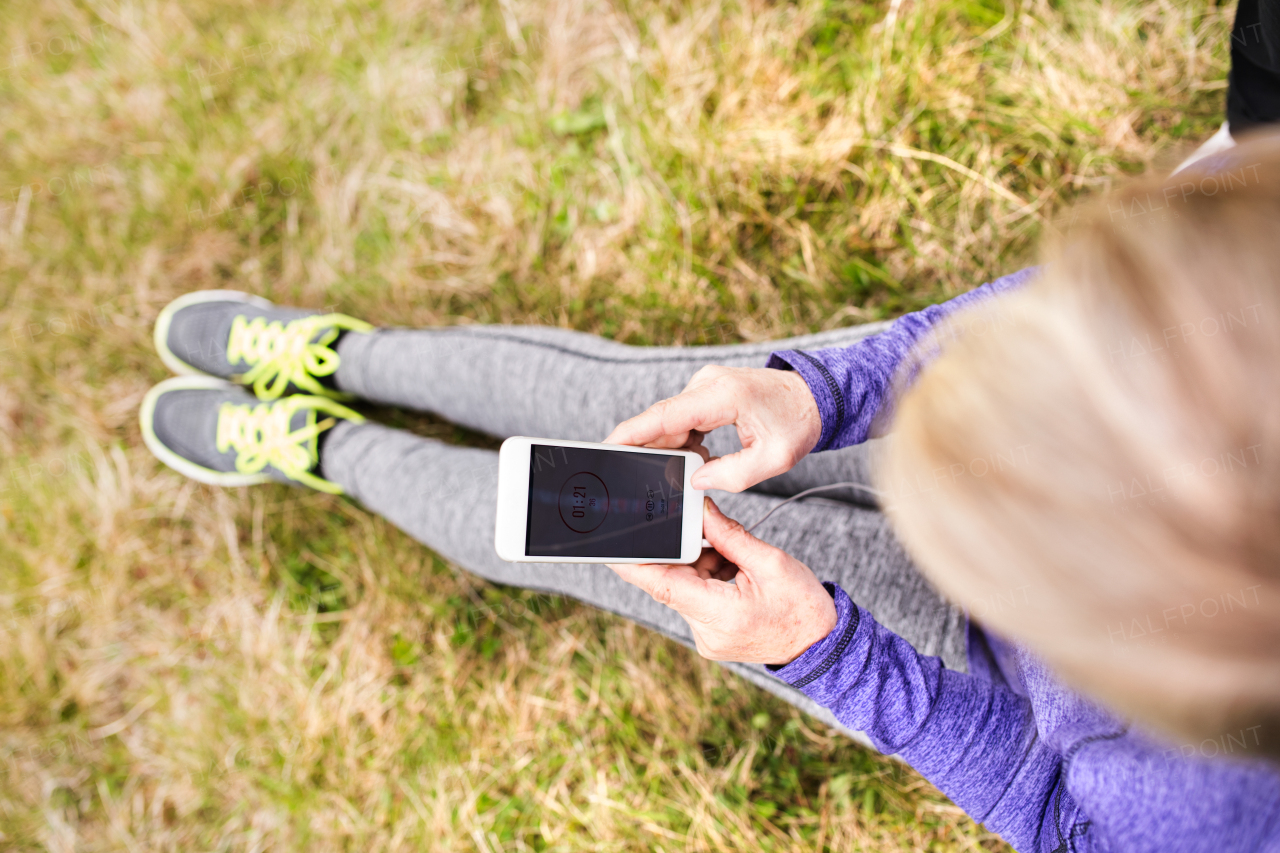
<point x="736" y="472"/>
<point x="677" y="587"/>
<point x="734" y="543"/>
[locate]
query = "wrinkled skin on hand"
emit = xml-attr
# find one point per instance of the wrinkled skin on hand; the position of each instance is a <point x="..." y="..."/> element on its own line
<point x="773" y="410"/>
<point x="774" y="609"/>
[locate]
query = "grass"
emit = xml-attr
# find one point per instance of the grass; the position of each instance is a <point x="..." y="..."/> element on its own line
<point x="184" y="668"/>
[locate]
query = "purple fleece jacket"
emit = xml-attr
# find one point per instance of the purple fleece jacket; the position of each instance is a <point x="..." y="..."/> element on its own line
<point x="1042" y="766"/>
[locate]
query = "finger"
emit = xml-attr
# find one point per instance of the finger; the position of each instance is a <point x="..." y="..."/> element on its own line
<point x="695" y="444"/>
<point x="630" y="434"/>
<point x="709" y="564"/>
<point x="739" y="471"/>
<point x="736" y="545"/>
<point x="622" y="433"/>
<point x="726" y="572"/>
<point x="705" y="375"/>
<point x="678" y="587"/>
<point x="670" y="442"/>
<point x="703" y="410"/>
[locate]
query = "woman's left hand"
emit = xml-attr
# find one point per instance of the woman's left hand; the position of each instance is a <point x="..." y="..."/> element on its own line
<point x="774" y="609"/>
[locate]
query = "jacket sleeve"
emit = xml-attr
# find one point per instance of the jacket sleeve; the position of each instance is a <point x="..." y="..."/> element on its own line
<point x="849" y="383"/>
<point x="1147" y="795"/>
<point x="1063" y="789"/>
<point x="975" y="740"/>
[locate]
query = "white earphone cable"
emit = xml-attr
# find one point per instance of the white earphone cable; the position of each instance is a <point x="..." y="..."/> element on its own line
<point x="812" y="491"/>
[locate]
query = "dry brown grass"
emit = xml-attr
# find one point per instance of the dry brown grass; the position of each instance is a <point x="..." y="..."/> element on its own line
<point x="186" y="668"/>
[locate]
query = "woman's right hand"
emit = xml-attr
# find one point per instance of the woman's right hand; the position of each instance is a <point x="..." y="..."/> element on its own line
<point x="773" y="611"/>
<point x="773" y="410"/>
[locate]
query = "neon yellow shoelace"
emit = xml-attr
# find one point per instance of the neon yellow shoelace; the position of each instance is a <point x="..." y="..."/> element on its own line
<point x="261" y="435"/>
<point x="296" y="352"/>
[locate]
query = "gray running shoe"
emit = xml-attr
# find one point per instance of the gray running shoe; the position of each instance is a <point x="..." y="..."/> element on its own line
<point x="249" y="341"/>
<point x="218" y="433"/>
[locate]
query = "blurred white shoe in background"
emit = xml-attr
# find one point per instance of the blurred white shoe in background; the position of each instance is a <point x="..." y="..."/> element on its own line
<point x="1220" y="141"/>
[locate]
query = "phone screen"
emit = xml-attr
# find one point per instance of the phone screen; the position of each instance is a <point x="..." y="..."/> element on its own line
<point x="586" y="502"/>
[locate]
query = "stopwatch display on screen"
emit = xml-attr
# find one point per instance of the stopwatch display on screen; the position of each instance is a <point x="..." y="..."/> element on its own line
<point x="587" y="502"/>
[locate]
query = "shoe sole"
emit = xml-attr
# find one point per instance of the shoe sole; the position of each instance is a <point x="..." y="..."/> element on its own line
<point x="168" y="356"/>
<point x="146" y="418"/>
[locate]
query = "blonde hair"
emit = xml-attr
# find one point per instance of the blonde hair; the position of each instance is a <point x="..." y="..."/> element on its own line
<point x="1124" y="522"/>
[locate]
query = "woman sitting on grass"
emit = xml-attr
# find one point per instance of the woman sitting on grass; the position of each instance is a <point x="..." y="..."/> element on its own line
<point x="1084" y="457"/>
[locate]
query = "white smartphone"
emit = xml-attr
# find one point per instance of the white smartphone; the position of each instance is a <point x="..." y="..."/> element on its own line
<point x="581" y="502"/>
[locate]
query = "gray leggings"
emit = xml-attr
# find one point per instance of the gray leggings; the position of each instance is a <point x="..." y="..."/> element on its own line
<point x="554" y="383"/>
